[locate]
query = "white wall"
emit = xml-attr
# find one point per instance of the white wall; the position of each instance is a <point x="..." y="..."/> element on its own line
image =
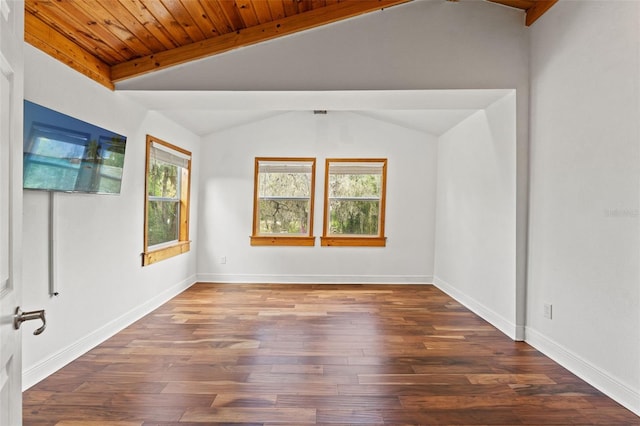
<point x="475" y="250"/>
<point x="585" y="169"/>
<point x="226" y="208"/>
<point x="100" y="237"/>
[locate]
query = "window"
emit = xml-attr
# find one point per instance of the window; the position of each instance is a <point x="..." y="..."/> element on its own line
<point x="166" y="230"/>
<point x="283" y="202"/>
<point x="354" y="202"/>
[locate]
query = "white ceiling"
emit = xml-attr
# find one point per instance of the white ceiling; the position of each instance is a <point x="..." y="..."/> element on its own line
<point x="429" y="111"/>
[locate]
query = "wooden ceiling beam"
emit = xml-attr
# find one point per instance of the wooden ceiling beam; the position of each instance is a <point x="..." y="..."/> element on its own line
<point x="55" y="44"/>
<point x="537" y="10"/>
<point x="518" y="4"/>
<point x="247" y="37"/>
<point x="534" y="9"/>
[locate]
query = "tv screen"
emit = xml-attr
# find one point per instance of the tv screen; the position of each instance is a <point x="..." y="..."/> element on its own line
<point x="62" y="153"/>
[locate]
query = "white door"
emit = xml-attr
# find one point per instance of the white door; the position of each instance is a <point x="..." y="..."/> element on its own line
<point x="11" y="99"/>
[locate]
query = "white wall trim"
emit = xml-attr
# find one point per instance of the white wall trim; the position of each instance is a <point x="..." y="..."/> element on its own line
<point x="495" y="319"/>
<point x="314" y="279"/>
<point x="596" y="377"/>
<point x="58" y="360"/>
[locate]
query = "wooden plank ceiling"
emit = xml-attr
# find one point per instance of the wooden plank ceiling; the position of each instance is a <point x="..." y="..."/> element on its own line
<point x="112" y="40"/>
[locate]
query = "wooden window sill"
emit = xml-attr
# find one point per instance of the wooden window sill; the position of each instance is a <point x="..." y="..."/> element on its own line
<point x="353" y="241"/>
<point x="274" y="240"/>
<point x="154" y="256"/>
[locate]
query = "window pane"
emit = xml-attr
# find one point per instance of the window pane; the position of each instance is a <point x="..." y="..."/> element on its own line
<point x="354" y="217"/>
<point x="162" y="221"/>
<point x="164" y="180"/>
<point x="285" y="184"/>
<point x="360" y="185"/>
<point x="283" y="216"/>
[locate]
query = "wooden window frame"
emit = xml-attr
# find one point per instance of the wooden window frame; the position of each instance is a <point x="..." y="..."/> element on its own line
<point x="329" y="240"/>
<point x="183" y="244"/>
<point x="274" y="239"/>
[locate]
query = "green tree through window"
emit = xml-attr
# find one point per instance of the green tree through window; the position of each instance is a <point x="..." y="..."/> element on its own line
<point x="163" y="209"/>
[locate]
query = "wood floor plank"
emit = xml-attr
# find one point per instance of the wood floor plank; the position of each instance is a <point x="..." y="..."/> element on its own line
<point x="339" y="402"/>
<point x="293" y="360"/>
<point x="353" y="417"/>
<point x="455" y="402"/>
<point x="413" y="379"/>
<point x="100" y="414"/>
<point x="285" y="379"/>
<point x="250" y="414"/>
<point x="533" y="379"/>
<point x="268" y="354"/>
<point x="297" y="369"/>
<point x="338" y="370"/>
<point x="245" y="399"/>
<point x="97" y="423"/>
<point x="215" y="388"/>
<point x="491" y="416"/>
<point x="498" y="391"/>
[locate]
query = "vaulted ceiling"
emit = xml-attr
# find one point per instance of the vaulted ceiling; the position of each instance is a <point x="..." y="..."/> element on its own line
<point x="113" y="40"/>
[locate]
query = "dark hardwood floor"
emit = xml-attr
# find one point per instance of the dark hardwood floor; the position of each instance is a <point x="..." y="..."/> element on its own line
<point x="315" y="354"/>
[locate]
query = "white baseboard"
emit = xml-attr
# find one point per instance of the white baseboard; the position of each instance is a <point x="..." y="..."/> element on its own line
<point x="58" y="360"/>
<point x="498" y="321"/>
<point x="613" y="388"/>
<point x="314" y="279"/>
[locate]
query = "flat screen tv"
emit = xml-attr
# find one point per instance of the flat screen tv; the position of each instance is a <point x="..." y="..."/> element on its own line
<point x="62" y="153"/>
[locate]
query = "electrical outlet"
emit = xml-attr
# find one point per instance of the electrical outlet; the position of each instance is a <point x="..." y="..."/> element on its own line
<point x="223" y="260"/>
<point x="548" y="310"/>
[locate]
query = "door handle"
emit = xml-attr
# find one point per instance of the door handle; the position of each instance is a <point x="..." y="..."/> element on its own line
<point x="21" y="317"/>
